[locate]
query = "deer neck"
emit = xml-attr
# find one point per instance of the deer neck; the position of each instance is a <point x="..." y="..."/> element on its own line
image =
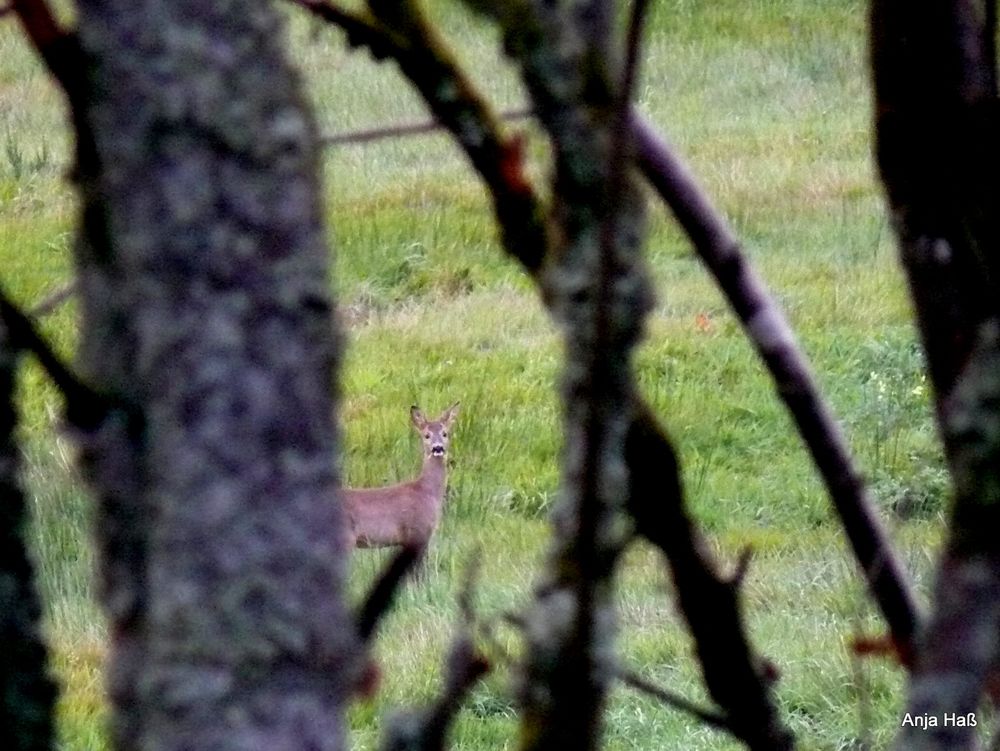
<point x="434" y="474"/>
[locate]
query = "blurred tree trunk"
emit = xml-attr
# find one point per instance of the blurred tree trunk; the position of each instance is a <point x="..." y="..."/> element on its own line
<point x="937" y="123"/>
<point x="599" y="293"/>
<point x="27" y="695"/>
<point x="206" y="315"/>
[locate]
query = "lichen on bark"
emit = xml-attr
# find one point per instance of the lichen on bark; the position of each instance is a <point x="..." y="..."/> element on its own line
<point x="205" y="298"/>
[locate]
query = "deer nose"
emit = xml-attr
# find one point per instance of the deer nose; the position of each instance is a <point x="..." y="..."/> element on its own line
<point x="437" y="450"/>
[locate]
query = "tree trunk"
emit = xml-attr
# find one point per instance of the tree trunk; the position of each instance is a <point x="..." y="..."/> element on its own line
<point x="599" y="294"/>
<point x="206" y="312"/>
<point x="936" y="116"/>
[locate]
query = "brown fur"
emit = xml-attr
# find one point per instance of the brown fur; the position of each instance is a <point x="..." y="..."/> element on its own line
<point x="409" y="512"/>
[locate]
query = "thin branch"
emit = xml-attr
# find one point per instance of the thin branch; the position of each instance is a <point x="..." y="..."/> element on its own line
<point x="85" y="407"/>
<point x="383" y="592"/>
<point x="634" y="681"/>
<point x="406" y="129"/>
<point x="775" y="342"/>
<point x="738" y="680"/>
<point x="360" y="28"/>
<point x="676" y="701"/>
<point x="742" y="567"/>
<point x="459" y="107"/>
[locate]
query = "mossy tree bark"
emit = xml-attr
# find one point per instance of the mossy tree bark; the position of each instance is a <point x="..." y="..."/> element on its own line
<point x="205" y="303"/>
<point x="937" y="120"/>
<point x="599" y="293"/>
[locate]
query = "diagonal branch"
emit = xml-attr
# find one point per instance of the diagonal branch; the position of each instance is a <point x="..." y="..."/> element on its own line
<point x="57" y="47"/>
<point x="86" y="408"/>
<point x="774" y="340"/>
<point x="27" y="693"/>
<point x="738" y="679"/>
<point x="637" y="683"/>
<point x="383" y="592"/>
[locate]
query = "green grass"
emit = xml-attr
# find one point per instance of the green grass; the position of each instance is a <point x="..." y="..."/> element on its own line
<point x="769" y="101"/>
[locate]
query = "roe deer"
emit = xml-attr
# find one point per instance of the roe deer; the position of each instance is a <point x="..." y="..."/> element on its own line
<point x="407" y="513"/>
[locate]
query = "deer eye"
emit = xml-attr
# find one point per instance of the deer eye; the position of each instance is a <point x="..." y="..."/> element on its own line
<point x="444" y="433"/>
<point x="427" y="436"/>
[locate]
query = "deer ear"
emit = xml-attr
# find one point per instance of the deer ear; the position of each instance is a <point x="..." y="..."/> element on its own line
<point x="451" y="413"/>
<point x="417" y="417"/>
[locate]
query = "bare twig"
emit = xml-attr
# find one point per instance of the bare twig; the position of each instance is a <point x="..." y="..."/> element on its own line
<point x="742" y="566"/>
<point x="739" y="681"/>
<point x="635" y="681"/>
<point x="85" y="407"/>
<point x="406" y="129"/>
<point x="383" y="592"/>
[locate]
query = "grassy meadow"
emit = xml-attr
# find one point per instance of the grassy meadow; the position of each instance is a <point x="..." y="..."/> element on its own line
<point x="769" y="101"/>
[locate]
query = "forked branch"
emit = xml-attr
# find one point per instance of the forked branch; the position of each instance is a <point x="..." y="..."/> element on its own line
<point x="85" y="407"/>
<point x="425" y="60"/>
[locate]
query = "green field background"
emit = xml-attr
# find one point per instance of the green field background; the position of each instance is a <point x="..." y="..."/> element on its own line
<point x="769" y="101"/>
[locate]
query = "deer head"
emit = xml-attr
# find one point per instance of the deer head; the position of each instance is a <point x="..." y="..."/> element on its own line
<point x="434" y="433"/>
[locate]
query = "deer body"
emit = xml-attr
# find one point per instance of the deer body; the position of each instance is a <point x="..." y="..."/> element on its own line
<point x="406" y="513"/>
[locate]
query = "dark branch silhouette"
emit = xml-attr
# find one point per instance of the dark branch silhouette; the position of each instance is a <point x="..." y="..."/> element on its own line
<point x="383" y="593"/>
<point x="86" y="408"/>
<point x="27" y="693"/>
<point x="637" y="683"/>
<point x="453" y="99"/>
<point x="427" y="729"/>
